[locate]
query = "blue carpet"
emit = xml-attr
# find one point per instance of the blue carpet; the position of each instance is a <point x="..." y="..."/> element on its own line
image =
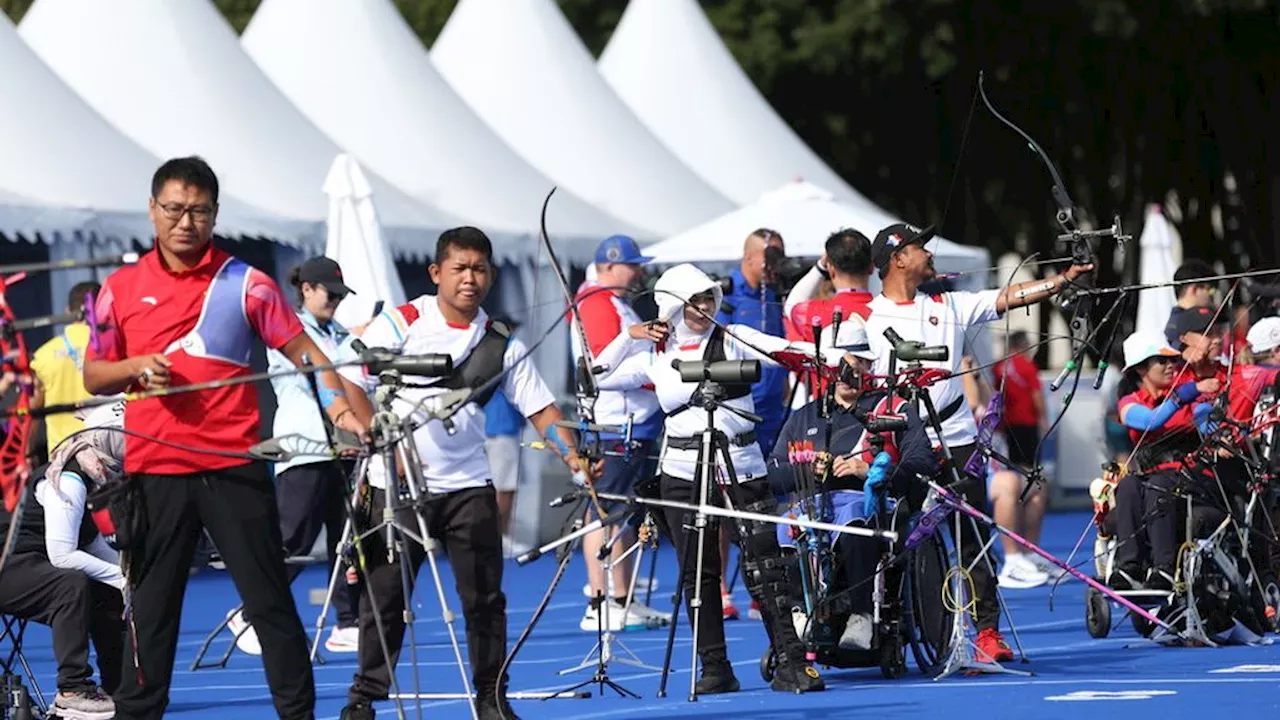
<point x="1074" y="674"/>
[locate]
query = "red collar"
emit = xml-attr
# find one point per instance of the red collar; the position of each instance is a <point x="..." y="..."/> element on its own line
<point x="211" y="260"/>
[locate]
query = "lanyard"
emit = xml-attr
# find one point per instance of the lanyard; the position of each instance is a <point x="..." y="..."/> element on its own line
<point x="71" y="351"/>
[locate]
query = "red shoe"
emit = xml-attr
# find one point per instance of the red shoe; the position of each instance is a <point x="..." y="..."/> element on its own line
<point x="753" y="612"/>
<point x="992" y="647"/>
<point x="730" y="610"/>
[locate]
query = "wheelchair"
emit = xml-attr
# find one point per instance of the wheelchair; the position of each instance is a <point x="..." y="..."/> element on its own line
<point x="906" y="609"/>
<point x="1216" y="582"/>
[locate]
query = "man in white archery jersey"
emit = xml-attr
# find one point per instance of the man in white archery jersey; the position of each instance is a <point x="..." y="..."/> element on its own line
<point x="460" y="508"/>
<point x="900" y="257"/>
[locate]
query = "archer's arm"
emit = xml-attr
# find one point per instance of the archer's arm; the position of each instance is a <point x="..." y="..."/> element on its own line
<point x="1034" y="291"/>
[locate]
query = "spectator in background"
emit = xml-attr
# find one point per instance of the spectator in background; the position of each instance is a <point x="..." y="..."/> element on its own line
<point x="1024" y="420"/>
<point x="1264" y="342"/>
<point x="750" y="300"/>
<point x="58" y="365"/>
<point x="503" y="424"/>
<point x="1190" y="296"/>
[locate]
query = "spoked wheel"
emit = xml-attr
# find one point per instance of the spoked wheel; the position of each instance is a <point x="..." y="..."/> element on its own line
<point x="928" y="622"/>
<point x="768" y="665"/>
<point x="1097" y="613"/>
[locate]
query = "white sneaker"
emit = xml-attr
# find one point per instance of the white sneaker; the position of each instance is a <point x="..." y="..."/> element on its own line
<point x="615" y="619"/>
<point x="343" y="640"/>
<point x="1053" y="571"/>
<point x="858" y="631"/>
<point x="247" y="640"/>
<point x="88" y="704"/>
<point x="1019" y="573"/>
<point x="650" y="617"/>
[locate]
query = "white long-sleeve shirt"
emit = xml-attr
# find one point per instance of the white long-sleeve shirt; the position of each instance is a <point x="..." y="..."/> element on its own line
<point x="63" y="513"/>
<point x="629" y="367"/>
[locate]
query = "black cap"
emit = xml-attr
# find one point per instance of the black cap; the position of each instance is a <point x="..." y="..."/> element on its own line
<point x="323" y="271"/>
<point x="895" y="237"/>
<point x="1197" y="320"/>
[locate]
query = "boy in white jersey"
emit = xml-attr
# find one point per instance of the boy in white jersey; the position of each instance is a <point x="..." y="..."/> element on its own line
<point x="461" y="511"/>
<point x="943" y="319"/>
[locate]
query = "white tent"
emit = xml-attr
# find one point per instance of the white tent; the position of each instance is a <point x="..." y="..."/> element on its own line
<point x="171" y="75"/>
<point x="668" y="64"/>
<point x="805" y="215"/>
<point x="359" y="73"/>
<point x="66" y="173"/>
<point x="520" y="66"/>
<point x="1156" y="265"/>
<point x="355" y="242"/>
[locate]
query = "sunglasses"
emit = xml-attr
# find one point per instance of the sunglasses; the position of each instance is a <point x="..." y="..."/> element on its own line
<point x="1163" y="360"/>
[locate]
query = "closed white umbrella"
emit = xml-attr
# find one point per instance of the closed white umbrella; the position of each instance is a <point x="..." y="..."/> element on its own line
<point x="1155" y="265"/>
<point x="353" y="239"/>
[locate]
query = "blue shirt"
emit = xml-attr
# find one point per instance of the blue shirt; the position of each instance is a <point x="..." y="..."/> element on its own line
<point x="501" y="418"/>
<point x="759" y="308"/>
<point x="296" y="408"/>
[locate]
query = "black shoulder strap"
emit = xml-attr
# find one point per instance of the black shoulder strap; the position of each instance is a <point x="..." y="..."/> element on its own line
<point x="483" y="363"/>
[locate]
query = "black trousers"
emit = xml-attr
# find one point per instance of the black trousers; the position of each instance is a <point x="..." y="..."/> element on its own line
<point x="76" y="609"/>
<point x="1147" y="522"/>
<point x="238" y="507"/>
<point x="312" y="497"/>
<point x="466" y="523"/>
<point x="973" y="537"/>
<point x="685" y="539"/>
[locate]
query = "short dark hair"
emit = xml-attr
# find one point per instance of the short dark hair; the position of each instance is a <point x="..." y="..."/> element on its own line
<point x="849" y="251"/>
<point x="193" y="171"/>
<point x="463" y="238"/>
<point x="1019" y="339"/>
<point x="1190" y="270"/>
<point x="76" y="298"/>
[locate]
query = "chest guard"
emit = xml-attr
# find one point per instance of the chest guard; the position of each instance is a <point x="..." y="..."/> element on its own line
<point x="223" y="331"/>
<point x="482" y="364"/>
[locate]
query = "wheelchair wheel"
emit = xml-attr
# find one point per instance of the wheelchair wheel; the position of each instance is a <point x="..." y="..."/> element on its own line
<point x="768" y="664"/>
<point x="1097" y="613"/>
<point x="928" y="622"/>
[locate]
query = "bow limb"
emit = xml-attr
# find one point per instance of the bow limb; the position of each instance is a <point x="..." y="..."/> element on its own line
<point x="587" y="391"/>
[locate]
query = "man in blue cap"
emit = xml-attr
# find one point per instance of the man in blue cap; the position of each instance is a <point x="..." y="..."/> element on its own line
<point x="603" y="310"/>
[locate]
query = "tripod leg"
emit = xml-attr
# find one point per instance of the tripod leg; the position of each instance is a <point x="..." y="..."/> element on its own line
<point x="334" y="575"/>
<point x="676" y="599"/>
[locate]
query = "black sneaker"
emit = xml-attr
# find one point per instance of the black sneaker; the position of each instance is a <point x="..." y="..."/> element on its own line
<point x="1122" y="579"/>
<point x="795" y="674"/>
<point x="494" y="706"/>
<point x="357" y="711"/>
<point x="717" y="678"/>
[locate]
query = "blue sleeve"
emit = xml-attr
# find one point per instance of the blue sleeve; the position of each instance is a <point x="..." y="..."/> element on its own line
<point x="1139" y="417"/>
<point x="1201" y="413"/>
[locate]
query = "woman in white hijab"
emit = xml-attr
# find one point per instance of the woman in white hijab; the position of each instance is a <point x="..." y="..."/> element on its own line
<point x="687" y="301"/>
<point x="63" y="573"/>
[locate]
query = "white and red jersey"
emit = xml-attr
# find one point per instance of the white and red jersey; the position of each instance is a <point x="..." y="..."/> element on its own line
<point x="605" y="316"/>
<point x="940" y="319"/>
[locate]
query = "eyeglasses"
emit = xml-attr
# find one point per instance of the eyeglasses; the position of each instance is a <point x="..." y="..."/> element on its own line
<point x="201" y="214"/>
<point x="1164" y="359"/>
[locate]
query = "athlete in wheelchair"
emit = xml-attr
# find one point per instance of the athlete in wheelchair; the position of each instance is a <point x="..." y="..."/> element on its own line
<point x="1164" y="535"/>
<point x="844" y="458"/>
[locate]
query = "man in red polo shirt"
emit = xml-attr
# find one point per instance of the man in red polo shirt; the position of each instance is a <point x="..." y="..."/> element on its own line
<point x="190" y="313"/>
<point x="847" y="263"/>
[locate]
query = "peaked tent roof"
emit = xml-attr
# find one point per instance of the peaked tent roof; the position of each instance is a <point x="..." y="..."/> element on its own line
<point x="668" y="64"/>
<point x="64" y="170"/>
<point x="805" y="215"/>
<point x="171" y="75"/>
<point x="520" y="66"/>
<point x="358" y="72"/>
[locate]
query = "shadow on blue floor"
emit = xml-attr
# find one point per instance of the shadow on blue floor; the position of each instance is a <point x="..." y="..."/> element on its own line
<point x="1075" y="674"/>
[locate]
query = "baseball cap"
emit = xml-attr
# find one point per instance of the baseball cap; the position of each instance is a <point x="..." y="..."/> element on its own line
<point x="620" y="249"/>
<point x="1197" y="320"/>
<point x="1142" y="346"/>
<point x="1264" y="335"/>
<point x="895" y="237"/>
<point x="852" y="338"/>
<point x="324" y="271"/>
